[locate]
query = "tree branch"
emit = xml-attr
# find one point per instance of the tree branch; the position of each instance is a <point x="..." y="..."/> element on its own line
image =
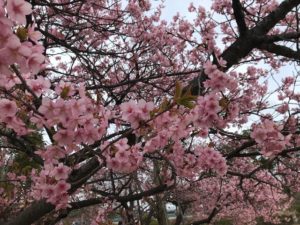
<point x="280" y="37"/>
<point x="245" y="44"/>
<point x="137" y="196"/>
<point x="281" y="51"/>
<point x="239" y="16"/>
<point x="31" y="214"/>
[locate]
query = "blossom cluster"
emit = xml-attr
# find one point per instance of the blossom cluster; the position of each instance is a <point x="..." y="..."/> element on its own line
<point x="135" y="112"/>
<point x="51" y="184"/>
<point x="268" y="136"/>
<point x="208" y="158"/>
<point x="122" y="158"/>
<point x="8" y="110"/>
<point x="38" y="85"/>
<point x="185" y="164"/>
<point x="52" y="154"/>
<point x="20" y="47"/>
<point x="203" y="158"/>
<point x="156" y="142"/>
<point x="85" y="103"/>
<point x="218" y="80"/>
<point x="20" y="55"/>
<point x="79" y="121"/>
<point x="205" y="113"/>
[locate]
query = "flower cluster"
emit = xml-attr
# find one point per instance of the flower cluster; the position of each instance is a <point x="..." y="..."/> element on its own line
<point x="65" y="89"/>
<point x="157" y="142"/>
<point x="208" y="158"/>
<point x="135" y="112"/>
<point x="18" y="47"/>
<point x="51" y="185"/>
<point x="269" y="138"/>
<point x="20" y="55"/>
<point x="122" y="158"/>
<point x="78" y="119"/>
<point x="203" y="158"/>
<point x="218" y="80"/>
<point x="52" y="154"/>
<point x="205" y="114"/>
<point x="8" y="110"/>
<point x="39" y="85"/>
<point x="185" y="164"/>
<point x="17" y="10"/>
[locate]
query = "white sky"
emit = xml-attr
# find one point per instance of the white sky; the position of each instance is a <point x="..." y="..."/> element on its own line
<point x="181" y="6"/>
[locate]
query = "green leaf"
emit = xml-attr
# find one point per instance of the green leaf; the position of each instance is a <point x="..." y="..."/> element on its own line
<point x="184" y="98"/>
<point x="22" y="33"/>
<point x="65" y="91"/>
<point x="186" y="102"/>
<point x="178" y="90"/>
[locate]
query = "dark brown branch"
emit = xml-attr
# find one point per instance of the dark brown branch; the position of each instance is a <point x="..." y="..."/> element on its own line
<point x="280" y="37"/>
<point x="32" y="213"/>
<point x="239" y="16"/>
<point x="281" y="51"/>
<point x="135" y="197"/>
<point x="244" y="45"/>
<point x="274" y="17"/>
<point x="239" y="149"/>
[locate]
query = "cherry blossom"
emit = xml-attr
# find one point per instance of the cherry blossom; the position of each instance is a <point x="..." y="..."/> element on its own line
<point x="18" y="9"/>
<point x="268" y="136"/>
<point x="8" y="108"/>
<point x="107" y="107"/>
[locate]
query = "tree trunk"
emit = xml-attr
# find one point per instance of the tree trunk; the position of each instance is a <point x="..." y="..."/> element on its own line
<point x="160" y="206"/>
<point x="161" y="211"/>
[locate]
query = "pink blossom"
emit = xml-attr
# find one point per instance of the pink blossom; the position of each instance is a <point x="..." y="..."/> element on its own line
<point x="134" y="112"/>
<point x="33" y="34"/>
<point x="51" y="154"/>
<point x="211" y="159"/>
<point x="39" y="85"/>
<point x="128" y="109"/>
<point x="6" y="32"/>
<point x="9" y="80"/>
<point x="7" y="108"/>
<point x="47" y="107"/>
<point x="61" y="187"/>
<point x="124" y="160"/>
<point x="48" y="191"/>
<point x="16" y="124"/>
<point x="269" y="138"/>
<point x="60" y="172"/>
<point x="18" y="9"/>
<point x="34" y="62"/>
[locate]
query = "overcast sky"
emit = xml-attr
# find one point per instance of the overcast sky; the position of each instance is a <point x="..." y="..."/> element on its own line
<point x="181" y="6"/>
